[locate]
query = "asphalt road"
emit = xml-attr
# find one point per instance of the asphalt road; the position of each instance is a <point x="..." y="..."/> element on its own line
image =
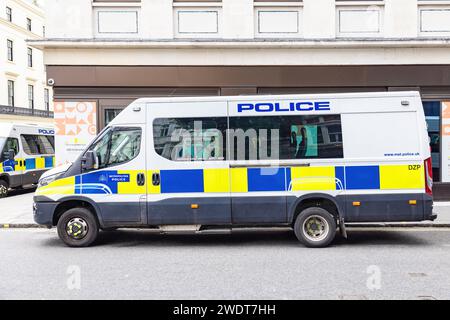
<point x="371" y="264"/>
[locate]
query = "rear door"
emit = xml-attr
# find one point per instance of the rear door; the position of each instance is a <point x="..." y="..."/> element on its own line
<point x="188" y="171"/>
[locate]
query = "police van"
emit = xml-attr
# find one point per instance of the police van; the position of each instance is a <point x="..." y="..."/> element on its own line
<point x="27" y="152"/>
<point x="215" y="164"/>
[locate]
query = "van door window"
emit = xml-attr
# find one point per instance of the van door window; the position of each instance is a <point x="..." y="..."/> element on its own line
<point x="117" y="146"/>
<point x="10" y="144"/>
<point x="125" y="145"/>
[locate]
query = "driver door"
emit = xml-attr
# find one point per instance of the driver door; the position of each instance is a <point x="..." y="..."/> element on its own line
<point x="118" y="184"/>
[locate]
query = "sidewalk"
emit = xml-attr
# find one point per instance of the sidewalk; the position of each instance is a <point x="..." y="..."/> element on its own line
<point x="17" y="211"/>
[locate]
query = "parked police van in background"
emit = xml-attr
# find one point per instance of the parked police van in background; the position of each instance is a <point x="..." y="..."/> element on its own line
<point x="204" y="165"/>
<point x="27" y="152"/>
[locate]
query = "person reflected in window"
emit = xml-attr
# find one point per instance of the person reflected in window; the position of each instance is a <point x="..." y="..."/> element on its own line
<point x="303" y="145"/>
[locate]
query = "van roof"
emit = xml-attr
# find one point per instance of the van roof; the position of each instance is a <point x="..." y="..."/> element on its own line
<point x="387" y="94"/>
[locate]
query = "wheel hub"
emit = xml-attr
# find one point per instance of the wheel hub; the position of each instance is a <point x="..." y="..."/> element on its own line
<point x="77" y="228"/>
<point x="315" y="228"/>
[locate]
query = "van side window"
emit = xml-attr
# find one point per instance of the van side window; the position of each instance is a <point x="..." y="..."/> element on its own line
<point x="37" y="144"/>
<point x="117" y="146"/>
<point x="190" y="139"/>
<point x="286" y="137"/>
<point x="10" y="144"/>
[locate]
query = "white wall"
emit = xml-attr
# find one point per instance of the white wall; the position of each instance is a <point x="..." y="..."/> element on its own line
<point x="18" y="70"/>
<point x="157" y="19"/>
<point x="238" y="19"/>
<point x="404" y="27"/>
<point x="319" y="19"/>
<point x="69" y="18"/>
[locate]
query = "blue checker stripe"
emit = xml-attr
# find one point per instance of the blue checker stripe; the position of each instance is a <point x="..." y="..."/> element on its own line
<point x="176" y="181"/>
<point x="30" y="164"/>
<point x="77" y="184"/>
<point x="266" y="179"/>
<point x="48" y="162"/>
<point x="362" y="178"/>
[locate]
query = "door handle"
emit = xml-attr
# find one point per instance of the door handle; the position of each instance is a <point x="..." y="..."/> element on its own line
<point x="156" y="180"/>
<point x="140" y="179"/>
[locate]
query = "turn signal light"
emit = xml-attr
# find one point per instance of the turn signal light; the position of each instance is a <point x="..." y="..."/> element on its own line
<point x="356" y="203"/>
<point x="194" y="206"/>
<point x="413" y="202"/>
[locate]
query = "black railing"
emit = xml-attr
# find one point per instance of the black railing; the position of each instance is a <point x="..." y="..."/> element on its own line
<point x="26" y="112"/>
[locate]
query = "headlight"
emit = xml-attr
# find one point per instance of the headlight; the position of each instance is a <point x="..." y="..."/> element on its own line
<point x="47" y="180"/>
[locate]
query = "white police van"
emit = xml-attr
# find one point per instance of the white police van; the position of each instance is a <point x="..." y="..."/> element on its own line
<point x="310" y="162"/>
<point x="27" y="151"/>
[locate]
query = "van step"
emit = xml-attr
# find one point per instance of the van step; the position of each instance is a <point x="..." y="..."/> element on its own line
<point x="215" y="231"/>
<point x="180" y="228"/>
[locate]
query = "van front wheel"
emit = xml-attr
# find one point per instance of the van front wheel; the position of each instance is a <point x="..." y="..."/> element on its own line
<point x="315" y="227"/>
<point x="77" y="227"/>
<point x="3" y="189"/>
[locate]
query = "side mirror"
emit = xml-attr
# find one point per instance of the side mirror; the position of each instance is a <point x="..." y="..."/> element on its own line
<point x="89" y="161"/>
<point x="11" y="154"/>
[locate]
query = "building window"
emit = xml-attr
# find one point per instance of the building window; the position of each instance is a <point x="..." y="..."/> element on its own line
<point x="9" y="14"/>
<point x="30" y="96"/>
<point x="28" y="24"/>
<point x="30" y="57"/>
<point x="11" y="93"/>
<point x="47" y="99"/>
<point x="433" y="117"/>
<point x="110" y="114"/>
<point x="10" y="50"/>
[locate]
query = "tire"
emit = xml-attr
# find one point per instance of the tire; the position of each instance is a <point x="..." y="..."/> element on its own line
<point x="4" y="188"/>
<point x="78" y="227"/>
<point x="315" y="227"/>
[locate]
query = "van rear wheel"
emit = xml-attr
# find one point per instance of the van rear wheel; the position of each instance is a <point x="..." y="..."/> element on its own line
<point x="4" y="187"/>
<point x="315" y="227"/>
<point x="78" y="227"/>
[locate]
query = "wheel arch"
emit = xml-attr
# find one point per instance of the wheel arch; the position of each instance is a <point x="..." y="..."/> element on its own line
<point x="323" y="200"/>
<point x="68" y="203"/>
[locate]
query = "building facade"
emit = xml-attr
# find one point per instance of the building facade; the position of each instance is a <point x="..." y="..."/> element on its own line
<point x="24" y="93"/>
<point x="113" y="51"/>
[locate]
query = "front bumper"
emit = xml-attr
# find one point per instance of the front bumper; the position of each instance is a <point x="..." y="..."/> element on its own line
<point x="43" y="212"/>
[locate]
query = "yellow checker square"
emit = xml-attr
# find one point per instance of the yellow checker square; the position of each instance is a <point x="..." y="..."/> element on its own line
<point x="402" y="177"/>
<point x="130" y="187"/>
<point x="18" y="166"/>
<point x="151" y="189"/>
<point x="1" y="167"/>
<point x="40" y="163"/>
<point x="62" y="186"/>
<point x="216" y="180"/>
<point x="313" y="178"/>
<point x="239" y="180"/>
